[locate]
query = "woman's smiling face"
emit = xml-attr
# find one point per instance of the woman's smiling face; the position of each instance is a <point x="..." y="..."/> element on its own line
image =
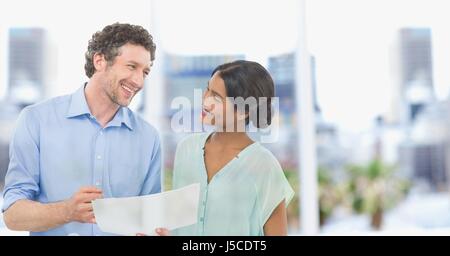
<point x="214" y="101"/>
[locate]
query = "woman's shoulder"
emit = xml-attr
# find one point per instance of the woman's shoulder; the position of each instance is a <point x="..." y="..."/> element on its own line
<point x="263" y="161"/>
<point x="192" y="141"/>
<point x="269" y="176"/>
<point x="265" y="155"/>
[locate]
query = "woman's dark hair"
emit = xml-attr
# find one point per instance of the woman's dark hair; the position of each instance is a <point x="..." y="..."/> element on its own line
<point x="111" y="38"/>
<point x="249" y="79"/>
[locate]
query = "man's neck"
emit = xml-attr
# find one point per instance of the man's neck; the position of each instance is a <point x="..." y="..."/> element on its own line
<point x="99" y="103"/>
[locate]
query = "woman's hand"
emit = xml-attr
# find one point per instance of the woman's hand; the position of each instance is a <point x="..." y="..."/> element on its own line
<point x="158" y="231"/>
<point x="162" y="232"/>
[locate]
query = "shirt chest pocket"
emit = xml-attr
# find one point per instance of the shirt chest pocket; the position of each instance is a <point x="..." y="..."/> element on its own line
<point x="125" y="179"/>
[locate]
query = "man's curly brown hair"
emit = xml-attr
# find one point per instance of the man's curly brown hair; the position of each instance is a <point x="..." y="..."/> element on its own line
<point x="111" y="38"/>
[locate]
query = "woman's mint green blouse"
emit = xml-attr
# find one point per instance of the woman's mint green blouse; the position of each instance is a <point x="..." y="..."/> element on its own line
<point x="240" y="198"/>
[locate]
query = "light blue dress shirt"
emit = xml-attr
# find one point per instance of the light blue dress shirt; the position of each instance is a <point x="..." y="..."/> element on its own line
<point x="240" y="197"/>
<point x="58" y="147"/>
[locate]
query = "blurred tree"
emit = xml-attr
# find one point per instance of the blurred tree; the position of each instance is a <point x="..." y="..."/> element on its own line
<point x="293" y="210"/>
<point x="330" y="195"/>
<point x="373" y="189"/>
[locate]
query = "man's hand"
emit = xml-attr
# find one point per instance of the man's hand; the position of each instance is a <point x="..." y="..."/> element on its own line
<point x="79" y="206"/>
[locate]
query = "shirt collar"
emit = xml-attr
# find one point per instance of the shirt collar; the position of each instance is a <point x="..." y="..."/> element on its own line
<point x="78" y="104"/>
<point x="78" y="107"/>
<point x="122" y="117"/>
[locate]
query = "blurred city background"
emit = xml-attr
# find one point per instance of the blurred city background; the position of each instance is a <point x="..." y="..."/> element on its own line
<point x="377" y="71"/>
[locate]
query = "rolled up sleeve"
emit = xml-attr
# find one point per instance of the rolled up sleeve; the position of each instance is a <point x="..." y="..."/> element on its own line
<point x="22" y="178"/>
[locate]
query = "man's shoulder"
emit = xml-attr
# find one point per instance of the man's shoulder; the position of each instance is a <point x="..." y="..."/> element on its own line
<point x="141" y="123"/>
<point x="45" y="105"/>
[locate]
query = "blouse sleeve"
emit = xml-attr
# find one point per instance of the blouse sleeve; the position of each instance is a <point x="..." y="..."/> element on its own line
<point x="272" y="188"/>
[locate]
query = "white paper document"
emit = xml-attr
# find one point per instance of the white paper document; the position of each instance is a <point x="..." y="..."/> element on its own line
<point x="143" y="214"/>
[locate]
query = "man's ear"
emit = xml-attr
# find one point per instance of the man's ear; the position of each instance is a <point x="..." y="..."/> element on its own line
<point x="99" y="62"/>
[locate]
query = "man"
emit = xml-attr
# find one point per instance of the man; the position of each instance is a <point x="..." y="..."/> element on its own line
<point x="73" y="149"/>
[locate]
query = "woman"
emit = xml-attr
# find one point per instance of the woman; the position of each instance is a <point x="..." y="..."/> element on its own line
<point x="243" y="188"/>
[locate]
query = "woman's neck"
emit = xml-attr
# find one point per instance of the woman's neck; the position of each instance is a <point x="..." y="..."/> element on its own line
<point x="236" y="140"/>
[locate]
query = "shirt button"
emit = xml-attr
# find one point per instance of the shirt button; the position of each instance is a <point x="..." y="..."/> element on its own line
<point x="99" y="157"/>
<point x="97" y="183"/>
<point x="204" y="203"/>
<point x="201" y="219"/>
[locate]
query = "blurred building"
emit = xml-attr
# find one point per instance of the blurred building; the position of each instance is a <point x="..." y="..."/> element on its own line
<point x="415" y="71"/>
<point x="26" y="64"/>
<point x="282" y="69"/>
<point x="26" y="69"/>
<point x="8" y="116"/>
<point x="426" y="155"/>
<point x="423" y="154"/>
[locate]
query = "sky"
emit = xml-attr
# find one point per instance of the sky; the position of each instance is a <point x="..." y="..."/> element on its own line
<point x="353" y="41"/>
<point x="69" y="26"/>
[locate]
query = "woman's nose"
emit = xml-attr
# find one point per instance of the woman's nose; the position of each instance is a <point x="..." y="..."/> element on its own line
<point x="208" y="103"/>
<point x="205" y="93"/>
